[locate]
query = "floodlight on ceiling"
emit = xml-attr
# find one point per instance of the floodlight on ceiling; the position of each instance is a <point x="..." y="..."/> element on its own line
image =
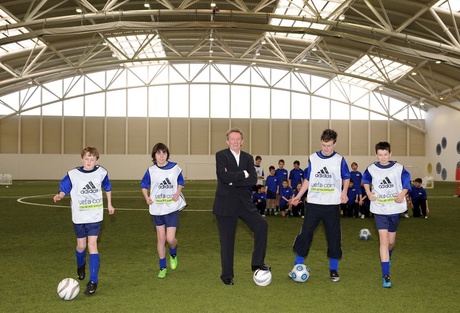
<point x="213" y="4"/>
<point x="79" y="10"/>
<point x="146" y="5"/>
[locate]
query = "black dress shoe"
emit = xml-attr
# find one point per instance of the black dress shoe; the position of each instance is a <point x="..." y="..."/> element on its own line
<point x="261" y="267"/>
<point x="228" y="281"/>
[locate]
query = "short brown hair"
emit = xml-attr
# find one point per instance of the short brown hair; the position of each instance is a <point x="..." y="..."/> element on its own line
<point x="91" y="150"/>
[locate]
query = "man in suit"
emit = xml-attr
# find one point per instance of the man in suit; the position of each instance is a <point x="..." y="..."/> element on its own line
<point x="235" y="177"/>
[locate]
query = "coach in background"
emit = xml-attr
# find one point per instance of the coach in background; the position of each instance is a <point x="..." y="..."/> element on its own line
<point x="235" y="177"/>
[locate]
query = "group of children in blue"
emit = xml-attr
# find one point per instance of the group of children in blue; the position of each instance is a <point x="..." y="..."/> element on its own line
<point x="358" y="204"/>
<point x="274" y="197"/>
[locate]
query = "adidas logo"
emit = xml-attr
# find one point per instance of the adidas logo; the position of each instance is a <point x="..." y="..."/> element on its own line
<point x="386" y="183"/>
<point x="89" y="188"/>
<point x="166" y="184"/>
<point x="323" y="173"/>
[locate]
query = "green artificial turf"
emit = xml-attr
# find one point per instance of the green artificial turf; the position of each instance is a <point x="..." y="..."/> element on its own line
<point x="37" y="251"/>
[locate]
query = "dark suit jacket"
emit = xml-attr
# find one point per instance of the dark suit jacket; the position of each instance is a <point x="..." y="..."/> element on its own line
<point x="238" y="193"/>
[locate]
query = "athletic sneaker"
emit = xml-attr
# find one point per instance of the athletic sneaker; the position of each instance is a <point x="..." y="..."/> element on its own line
<point x="162" y="273"/>
<point x="173" y="262"/>
<point x="81" y="272"/>
<point x="334" y="275"/>
<point x="406" y="215"/>
<point x="386" y="281"/>
<point x="90" y="288"/>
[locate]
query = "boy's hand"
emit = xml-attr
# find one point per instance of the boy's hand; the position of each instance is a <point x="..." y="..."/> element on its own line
<point x="57" y="198"/>
<point x="294" y="201"/>
<point x="400" y="198"/>
<point x="372" y="196"/>
<point x="111" y="210"/>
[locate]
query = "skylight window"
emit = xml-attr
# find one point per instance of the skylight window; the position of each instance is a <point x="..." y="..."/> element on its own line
<point x="137" y="47"/>
<point x="449" y="5"/>
<point x="310" y="9"/>
<point x="376" y="68"/>
<point x="6" y="19"/>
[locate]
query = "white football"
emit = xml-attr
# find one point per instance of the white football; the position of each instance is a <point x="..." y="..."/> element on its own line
<point x="262" y="277"/>
<point x="300" y="273"/>
<point x="365" y="234"/>
<point x="68" y="289"/>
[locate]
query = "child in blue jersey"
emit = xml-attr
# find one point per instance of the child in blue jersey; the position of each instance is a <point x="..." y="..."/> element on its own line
<point x="280" y="173"/>
<point x="286" y="194"/>
<point x="355" y="175"/>
<point x="272" y="190"/>
<point x="387" y="184"/>
<point x="162" y="186"/>
<point x="418" y="199"/>
<point x="85" y="184"/>
<point x="296" y="175"/>
<point x="353" y="200"/>
<point x="260" y="199"/>
<point x="326" y="173"/>
<point x="298" y="210"/>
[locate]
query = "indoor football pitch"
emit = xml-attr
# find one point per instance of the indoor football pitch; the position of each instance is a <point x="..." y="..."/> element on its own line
<point x="37" y="251"/>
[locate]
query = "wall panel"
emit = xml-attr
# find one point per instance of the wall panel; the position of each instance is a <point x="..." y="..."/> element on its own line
<point x="416" y="142"/>
<point x="52" y="131"/>
<point x="73" y="135"/>
<point x="300" y="137"/>
<point x="343" y="139"/>
<point x="179" y="136"/>
<point x="199" y="136"/>
<point x="116" y="132"/>
<point x="219" y="128"/>
<point x="398" y="138"/>
<point x="94" y="132"/>
<point x="30" y="134"/>
<point x="359" y="138"/>
<point x="137" y="135"/>
<point x="280" y="137"/>
<point x="260" y="137"/>
<point x="9" y="135"/>
<point x="379" y="132"/>
<point x="317" y="128"/>
<point x="158" y="132"/>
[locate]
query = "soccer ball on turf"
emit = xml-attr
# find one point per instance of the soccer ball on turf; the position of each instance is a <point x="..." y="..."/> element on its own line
<point x="262" y="277"/>
<point x="365" y="234"/>
<point x="68" y="289"/>
<point x="300" y="273"/>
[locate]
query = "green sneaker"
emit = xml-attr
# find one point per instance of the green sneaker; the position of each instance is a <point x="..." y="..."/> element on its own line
<point x="162" y="273"/>
<point x="173" y="262"/>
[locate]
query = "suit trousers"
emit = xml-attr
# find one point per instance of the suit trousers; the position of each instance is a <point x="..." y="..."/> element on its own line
<point x="227" y="230"/>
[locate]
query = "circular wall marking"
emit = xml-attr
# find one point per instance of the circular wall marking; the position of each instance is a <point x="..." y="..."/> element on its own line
<point x="444" y="142"/>
<point x="438" y="168"/>
<point x="444" y="174"/>
<point x="438" y="149"/>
